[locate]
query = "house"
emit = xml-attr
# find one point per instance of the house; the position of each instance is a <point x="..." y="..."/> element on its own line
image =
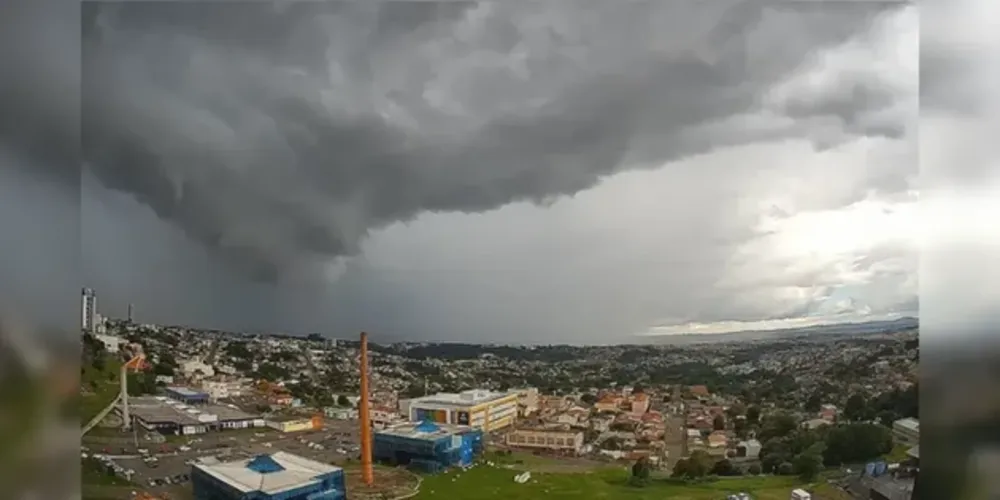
<point x="639" y="404"/>
<point x="815" y="423"/>
<point x="608" y="403"/>
<point x="749" y="448"/>
<point x="699" y="391"/>
<point x="281" y="399"/>
<point x="564" y="418"/>
<point x="384" y="415"/>
<point x="828" y="412"/>
<point x="527" y="402"/>
<point x="717" y="439"/>
<point x="193" y="368"/>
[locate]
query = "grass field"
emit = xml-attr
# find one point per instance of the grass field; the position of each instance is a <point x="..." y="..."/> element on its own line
<point x="482" y="483"/>
<point x="526" y="461"/>
<point x="102" y="386"/>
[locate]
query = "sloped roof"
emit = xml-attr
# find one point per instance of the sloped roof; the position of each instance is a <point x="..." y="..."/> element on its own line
<point x="274" y="473"/>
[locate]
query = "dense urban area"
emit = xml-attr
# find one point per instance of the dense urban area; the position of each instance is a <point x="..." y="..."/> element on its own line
<point x="818" y="415"/>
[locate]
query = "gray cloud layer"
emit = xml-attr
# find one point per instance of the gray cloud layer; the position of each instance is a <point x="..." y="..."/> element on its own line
<point x="234" y="150"/>
<point x="282" y="136"/>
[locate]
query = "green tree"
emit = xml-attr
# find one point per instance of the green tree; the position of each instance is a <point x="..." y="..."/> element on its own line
<point x="343" y="401"/>
<point x="754" y="470"/>
<point x="887" y="417"/>
<point x="588" y="398"/>
<point x="736" y="410"/>
<point x="808" y="465"/>
<point x="681" y="468"/>
<point x="740" y="427"/>
<point x="724" y="468"/>
<point x="785" y="469"/>
<point x="163" y="369"/>
<point x="812" y="405"/>
<point x="640" y="471"/>
<point x="699" y="464"/>
<point x="753" y="414"/>
<point x="778" y="425"/>
<point x="855" y="443"/>
<point x="854" y="409"/>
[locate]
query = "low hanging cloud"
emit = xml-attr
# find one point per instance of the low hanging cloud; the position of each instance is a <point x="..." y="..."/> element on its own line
<point x="279" y="137"/>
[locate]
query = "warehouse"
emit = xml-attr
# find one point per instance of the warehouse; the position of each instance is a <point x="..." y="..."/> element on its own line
<point x="427" y="446"/>
<point x="168" y="416"/>
<point x="279" y="476"/>
<point x="481" y="409"/>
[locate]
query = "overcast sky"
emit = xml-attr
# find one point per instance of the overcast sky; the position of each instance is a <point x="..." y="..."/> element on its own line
<point x="527" y="172"/>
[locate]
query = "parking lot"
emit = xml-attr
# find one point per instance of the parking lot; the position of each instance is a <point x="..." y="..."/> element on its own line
<point x="170" y="472"/>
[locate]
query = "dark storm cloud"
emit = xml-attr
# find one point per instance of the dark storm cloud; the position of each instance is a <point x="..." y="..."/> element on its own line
<point x="280" y="136"/>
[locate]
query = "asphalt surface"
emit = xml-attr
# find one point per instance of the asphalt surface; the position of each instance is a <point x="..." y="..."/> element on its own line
<point x="338" y="438"/>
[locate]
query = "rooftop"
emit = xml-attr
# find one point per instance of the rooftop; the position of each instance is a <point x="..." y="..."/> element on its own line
<point x="287" y="418"/>
<point x="461" y="399"/>
<point x="162" y="410"/>
<point x="424" y="430"/>
<point x="909" y="423"/>
<point x="271" y="474"/>
<point x="552" y="428"/>
<point x="184" y="391"/>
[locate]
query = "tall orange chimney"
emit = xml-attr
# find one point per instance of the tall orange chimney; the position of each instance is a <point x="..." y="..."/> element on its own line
<point x="364" y="417"/>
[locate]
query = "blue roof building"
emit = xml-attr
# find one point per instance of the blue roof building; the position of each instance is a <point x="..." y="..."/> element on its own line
<point x="427" y="446"/>
<point x="279" y="476"/>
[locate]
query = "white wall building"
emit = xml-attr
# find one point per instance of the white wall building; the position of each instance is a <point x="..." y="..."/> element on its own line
<point x="111" y="343"/>
<point x="189" y="368"/>
<point x="222" y="389"/>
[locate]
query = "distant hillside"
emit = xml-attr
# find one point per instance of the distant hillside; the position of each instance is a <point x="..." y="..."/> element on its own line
<point x="846" y="329"/>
